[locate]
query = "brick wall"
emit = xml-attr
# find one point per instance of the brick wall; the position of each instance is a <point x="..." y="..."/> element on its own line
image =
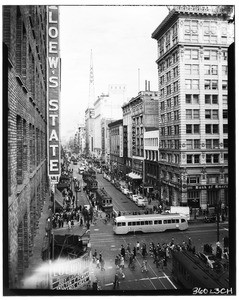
<point x="26" y="98"/>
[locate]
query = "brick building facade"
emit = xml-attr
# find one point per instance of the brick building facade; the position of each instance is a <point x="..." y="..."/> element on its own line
<point x="24" y="55"/>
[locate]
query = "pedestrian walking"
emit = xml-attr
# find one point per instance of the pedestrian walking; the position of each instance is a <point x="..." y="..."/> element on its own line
<point x="138" y="247"/>
<point x="122" y="262"/>
<point x="144" y="266"/>
<point x="69" y="224"/>
<point x="116" y="282"/>
<point x="122" y="251"/>
<point x="134" y="252"/>
<point x="97" y="263"/>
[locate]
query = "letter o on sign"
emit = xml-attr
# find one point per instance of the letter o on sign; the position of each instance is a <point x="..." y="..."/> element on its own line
<point x="53" y="32"/>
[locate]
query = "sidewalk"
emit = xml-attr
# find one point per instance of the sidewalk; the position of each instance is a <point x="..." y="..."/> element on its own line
<point x="35" y="260"/>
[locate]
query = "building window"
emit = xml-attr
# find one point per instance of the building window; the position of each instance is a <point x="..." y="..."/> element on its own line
<point x="224" y="85"/>
<point x="225" y="114"/>
<point x="192" y="69"/>
<point x="175" y="100"/>
<point x="192" y="99"/>
<point x="168" y="76"/>
<point x="224" y="99"/>
<point x="196" y="144"/>
<point x="211" y="99"/>
<point x="175" y="72"/>
<point x="211" y="114"/>
<point x="169" y="89"/>
<point x="210" y="70"/>
<point x="225" y="128"/>
<point x="189" y="159"/>
<point x="169" y="103"/>
<point x="225" y="143"/>
<point x="193" y="180"/>
<point x="189" y="144"/>
<point x="175" y="86"/>
<point x="210" y="84"/>
<point x="161" y="80"/>
<point x="176" y="129"/>
<point x="212" y="158"/>
<point x="210" y="55"/>
<point x="176" y="115"/>
<point x="212" y="143"/>
<point x="191" y="54"/>
<point x="224" y="70"/>
<point x="192" y="128"/>
<point x="196" y="158"/>
<point x="209" y="128"/>
<point x="191" y="84"/>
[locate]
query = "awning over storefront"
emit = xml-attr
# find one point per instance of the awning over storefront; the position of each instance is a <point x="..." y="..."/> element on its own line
<point x="133" y="175"/>
<point x="58" y="198"/>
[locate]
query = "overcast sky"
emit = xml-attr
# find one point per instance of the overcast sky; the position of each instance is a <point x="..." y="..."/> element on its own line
<point x="121" y="43"/>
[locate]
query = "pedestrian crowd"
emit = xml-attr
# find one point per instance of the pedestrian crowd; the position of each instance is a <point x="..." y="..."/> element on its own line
<point x="159" y="253"/>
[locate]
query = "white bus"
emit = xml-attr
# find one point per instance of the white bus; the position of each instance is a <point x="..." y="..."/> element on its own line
<point x="149" y="223"/>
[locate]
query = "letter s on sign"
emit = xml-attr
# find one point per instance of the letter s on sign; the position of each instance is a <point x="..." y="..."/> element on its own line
<point x="54" y="81"/>
<point x="54" y="104"/>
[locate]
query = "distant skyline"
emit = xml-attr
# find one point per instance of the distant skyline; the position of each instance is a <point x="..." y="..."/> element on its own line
<point x="121" y="44"/>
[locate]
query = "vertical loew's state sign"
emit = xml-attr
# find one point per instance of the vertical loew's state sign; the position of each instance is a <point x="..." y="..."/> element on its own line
<point x="53" y="93"/>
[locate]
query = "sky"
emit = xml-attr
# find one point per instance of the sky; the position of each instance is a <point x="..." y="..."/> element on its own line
<point x="123" y="52"/>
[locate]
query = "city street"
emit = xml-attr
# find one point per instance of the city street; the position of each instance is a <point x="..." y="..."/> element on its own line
<point x="104" y="241"/>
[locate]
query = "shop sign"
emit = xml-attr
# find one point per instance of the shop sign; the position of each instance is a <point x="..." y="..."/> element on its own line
<point x="53" y="93"/>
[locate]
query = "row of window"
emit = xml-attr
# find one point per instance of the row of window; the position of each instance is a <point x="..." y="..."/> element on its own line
<point x="193" y="84"/>
<point x="194" y="144"/>
<point x="193" y="54"/>
<point x="175" y="158"/>
<point x="194" y="114"/>
<point x="155" y="222"/>
<point x="193" y="99"/>
<point x="193" y="69"/>
<point x="210" y="34"/>
<point x="209" y="114"/>
<point x="151" y="141"/>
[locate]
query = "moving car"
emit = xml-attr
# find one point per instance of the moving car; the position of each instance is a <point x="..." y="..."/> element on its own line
<point x="141" y="201"/>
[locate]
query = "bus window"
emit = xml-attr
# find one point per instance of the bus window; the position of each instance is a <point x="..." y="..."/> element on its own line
<point x="129" y="223"/>
<point x="183" y="220"/>
<point x="150" y="222"/>
<point x="141" y="222"/>
<point x="173" y="221"/>
<point x="138" y="223"/>
<point x="123" y="223"/>
<point x="158" y="222"/>
<point x="177" y="220"/>
<point x="133" y="223"/>
<point x="169" y="221"/>
<point x="119" y="224"/>
<point x="165" y="221"/>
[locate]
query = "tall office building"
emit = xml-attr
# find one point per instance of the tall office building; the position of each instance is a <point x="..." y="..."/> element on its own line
<point x="192" y="64"/>
<point x="25" y="100"/>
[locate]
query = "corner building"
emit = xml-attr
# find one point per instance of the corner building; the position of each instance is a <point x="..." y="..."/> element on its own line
<point x="24" y="89"/>
<point x="192" y="64"/>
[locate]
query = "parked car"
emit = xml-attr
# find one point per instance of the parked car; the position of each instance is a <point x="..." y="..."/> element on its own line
<point x="209" y="260"/>
<point x="134" y="198"/>
<point x="125" y="191"/>
<point x="129" y="195"/>
<point x="141" y="201"/>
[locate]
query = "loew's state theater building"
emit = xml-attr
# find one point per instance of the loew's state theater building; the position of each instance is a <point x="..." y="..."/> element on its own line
<point x="192" y="64"/>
